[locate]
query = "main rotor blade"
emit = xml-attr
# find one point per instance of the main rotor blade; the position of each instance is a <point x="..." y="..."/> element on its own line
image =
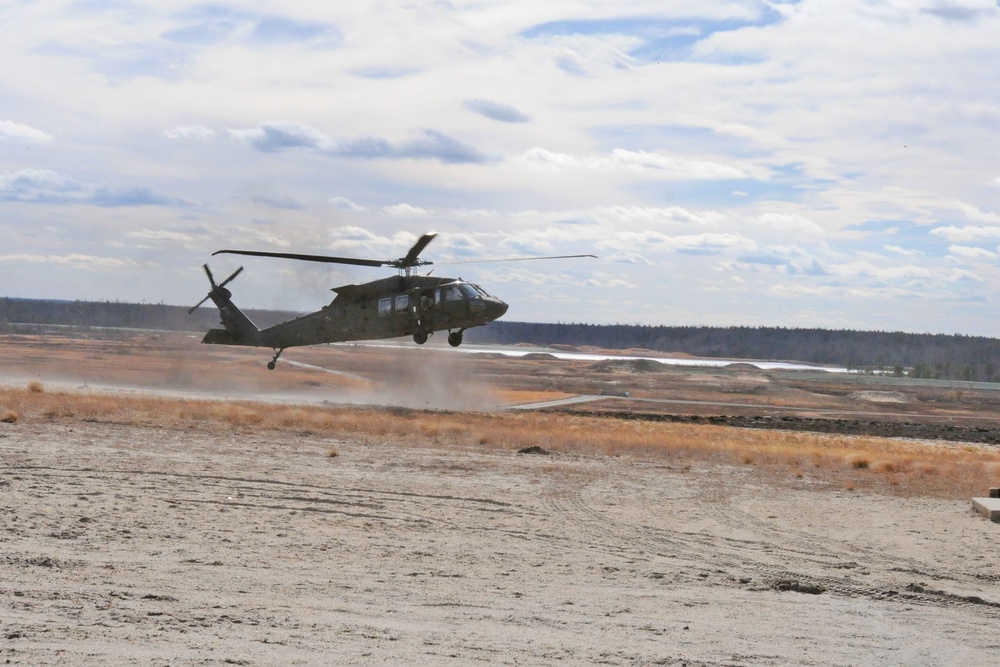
<point x="305" y="258"/>
<point x="418" y="247"/>
<point x="516" y="259"/>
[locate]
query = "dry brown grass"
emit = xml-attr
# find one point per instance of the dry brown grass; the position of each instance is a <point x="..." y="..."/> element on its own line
<point x="524" y="397"/>
<point x="849" y="462"/>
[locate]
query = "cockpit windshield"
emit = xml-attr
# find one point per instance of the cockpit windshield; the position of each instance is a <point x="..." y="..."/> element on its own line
<point x="482" y="292"/>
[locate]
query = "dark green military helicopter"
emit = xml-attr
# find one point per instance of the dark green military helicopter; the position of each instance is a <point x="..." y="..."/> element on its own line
<point x="402" y="305"/>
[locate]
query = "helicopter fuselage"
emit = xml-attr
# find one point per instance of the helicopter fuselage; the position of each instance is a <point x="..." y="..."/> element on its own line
<point x="397" y="306"/>
<point x="404" y="305"/>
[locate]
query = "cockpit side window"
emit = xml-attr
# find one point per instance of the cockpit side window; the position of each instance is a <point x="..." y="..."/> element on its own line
<point x="452" y="293"/>
<point x="469" y="291"/>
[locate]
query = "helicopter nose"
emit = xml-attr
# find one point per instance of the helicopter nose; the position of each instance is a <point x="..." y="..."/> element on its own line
<point x="495" y="308"/>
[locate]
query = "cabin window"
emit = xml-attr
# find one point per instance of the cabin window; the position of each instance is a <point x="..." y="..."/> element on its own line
<point x="384" y="306"/>
<point x="402" y="303"/>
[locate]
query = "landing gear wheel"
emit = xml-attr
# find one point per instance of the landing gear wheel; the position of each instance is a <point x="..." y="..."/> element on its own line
<point x="277" y="353"/>
<point x="419" y="337"/>
<point x="455" y="338"/>
<point x="270" y="365"/>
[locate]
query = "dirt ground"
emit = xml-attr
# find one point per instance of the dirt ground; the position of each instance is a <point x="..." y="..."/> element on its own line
<point x="206" y="545"/>
<point x="126" y="546"/>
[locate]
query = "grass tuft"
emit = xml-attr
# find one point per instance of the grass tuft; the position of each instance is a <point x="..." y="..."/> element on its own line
<point x="36" y="387"/>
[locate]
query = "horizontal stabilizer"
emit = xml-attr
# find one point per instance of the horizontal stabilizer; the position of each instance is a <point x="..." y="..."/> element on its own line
<point x="223" y="337"/>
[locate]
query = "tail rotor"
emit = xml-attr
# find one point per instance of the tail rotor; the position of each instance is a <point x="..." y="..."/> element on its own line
<point x="217" y="289"/>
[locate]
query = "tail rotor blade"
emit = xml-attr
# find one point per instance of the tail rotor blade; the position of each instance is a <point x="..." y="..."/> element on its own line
<point x="196" y="307"/>
<point x="208" y="272"/>
<point x="215" y="287"/>
<point x="230" y="278"/>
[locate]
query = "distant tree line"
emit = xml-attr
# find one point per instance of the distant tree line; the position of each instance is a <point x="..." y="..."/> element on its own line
<point x="952" y="357"/>
<point x="120" y="315"/>
<point x="936" y="356"/>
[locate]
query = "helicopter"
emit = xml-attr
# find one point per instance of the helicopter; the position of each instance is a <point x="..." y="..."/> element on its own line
<point x="402" y="305"/>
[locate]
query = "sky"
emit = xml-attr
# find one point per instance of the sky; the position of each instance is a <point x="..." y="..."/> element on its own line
<point x="820" y="163"/>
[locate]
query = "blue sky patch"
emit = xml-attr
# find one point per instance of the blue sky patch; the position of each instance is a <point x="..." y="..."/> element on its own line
<point x="387" y="73"/>
<point x="278" y="30"/>
<point x="497" y="111"/>
<point x="214" y="24"/>
<point x="663" y="39"/>
<point x="787" y="183"/>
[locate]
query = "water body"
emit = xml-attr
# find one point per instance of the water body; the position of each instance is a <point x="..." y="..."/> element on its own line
<point x="586" y="356"/>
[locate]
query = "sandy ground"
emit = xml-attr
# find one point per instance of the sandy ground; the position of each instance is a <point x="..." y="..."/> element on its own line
<point x="133" y="546"/>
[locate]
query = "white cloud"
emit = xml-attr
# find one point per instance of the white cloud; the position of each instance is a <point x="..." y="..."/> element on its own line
<point x="196" y="132"/>
<point x="47" y="187"/>
<point x="757" y="150"/>
<point x="405" y="211"/>
<point x="74" y="260"/>
<point x="694" y="243"/>
<point x="791" y="225"/>
<point x="12" y="131"/>
<point x="638" y="162"/>
<point x="888" y="273"/>
<point x="906" y="252"/>
<point x="160" y="235"/>
<point x="345" y="204"/>
<point x="968" y="252"/>
<point x="625" y="257"/>
<point x="967" y="233"/>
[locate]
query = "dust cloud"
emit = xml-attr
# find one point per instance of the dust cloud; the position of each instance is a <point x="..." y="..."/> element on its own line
<point x="176" y="364"/>
<point x="430" y="379"/>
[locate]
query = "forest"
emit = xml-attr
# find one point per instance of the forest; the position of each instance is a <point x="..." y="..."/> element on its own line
<point x="120" y="315"/>
<point x="938" y="356"/>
